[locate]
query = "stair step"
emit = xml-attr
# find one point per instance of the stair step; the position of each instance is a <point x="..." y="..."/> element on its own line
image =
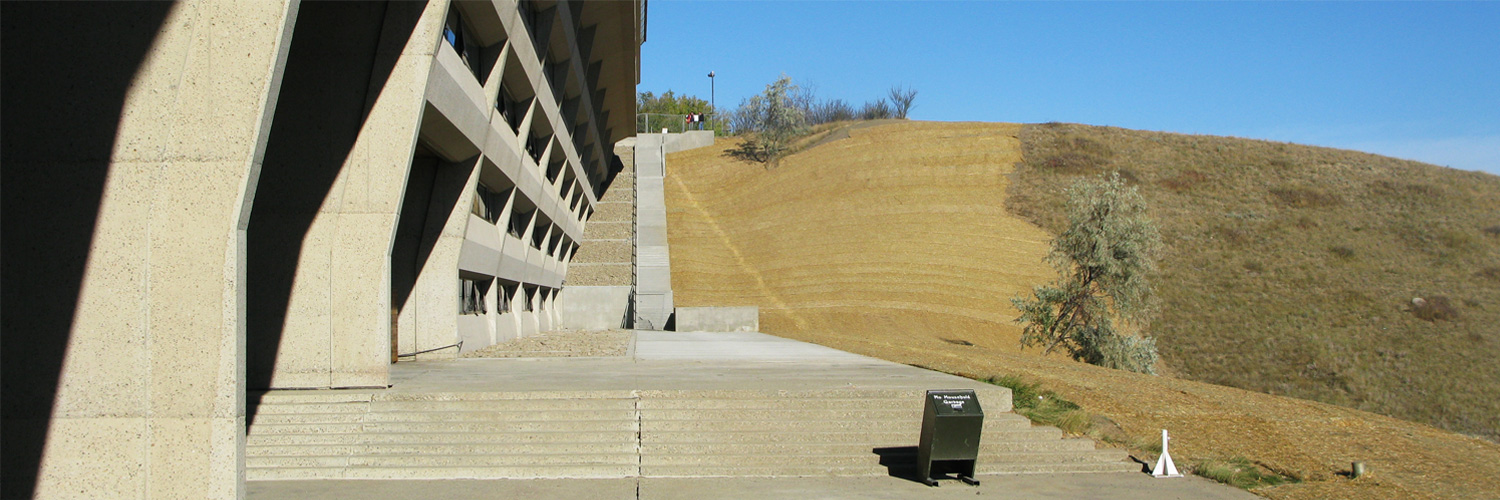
<point x="780" y="403"/>
<point x="506" y="405"/>
<point x="871" y="458"/>
<point x="441" y="460"/>
<point x="507" y="472"/>
<point x="822" y="448"/>
<point x="440" y="449"/>
<point x="908" y="437"/>
<point x="441" y="438"/>
<point x="478" y="427"/>
<point x="305" y="408"/>
<point x="772" y="425"/>
<point x="876" y="470"/>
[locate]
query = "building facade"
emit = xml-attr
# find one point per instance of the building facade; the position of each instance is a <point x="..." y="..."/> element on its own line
<point x="206" y="198"/>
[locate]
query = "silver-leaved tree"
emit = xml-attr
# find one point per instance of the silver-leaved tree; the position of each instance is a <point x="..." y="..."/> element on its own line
<point x="1105" y="259"/>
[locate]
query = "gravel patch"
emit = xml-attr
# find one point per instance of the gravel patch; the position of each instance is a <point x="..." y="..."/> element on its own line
<point x="561" y="344"/>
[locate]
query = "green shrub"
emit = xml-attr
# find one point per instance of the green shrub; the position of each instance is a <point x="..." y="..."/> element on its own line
<point x="1104" y="258"/>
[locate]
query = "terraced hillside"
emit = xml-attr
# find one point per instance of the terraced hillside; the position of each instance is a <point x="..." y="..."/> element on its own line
<point x="896" y="230"/>
<point x="895" y="242"/>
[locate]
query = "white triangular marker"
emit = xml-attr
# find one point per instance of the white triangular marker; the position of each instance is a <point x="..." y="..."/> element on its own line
<point x="1164" y="466"/>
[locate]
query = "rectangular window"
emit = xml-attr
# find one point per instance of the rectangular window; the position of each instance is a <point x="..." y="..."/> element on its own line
<point x="471" y="296"/>
<point x="518" y="222"/>
<point x="457" y="35"/>
<point x="531" y="294"/>
<point x="507" y="293"/>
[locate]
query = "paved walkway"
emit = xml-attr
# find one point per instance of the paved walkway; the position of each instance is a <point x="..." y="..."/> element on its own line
<point x="1029" y="486"/>
<point x="680" y="361"/>
<point x="717" y="361"/>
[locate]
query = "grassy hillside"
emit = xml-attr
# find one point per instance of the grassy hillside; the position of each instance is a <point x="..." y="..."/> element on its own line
<point x="1292" y="269"/>
<point x="894" y="241"/>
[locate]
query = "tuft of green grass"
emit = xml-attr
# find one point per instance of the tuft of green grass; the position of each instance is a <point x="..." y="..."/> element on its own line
<point x="1240" y="473"/>
<point x="1043" y="406"/>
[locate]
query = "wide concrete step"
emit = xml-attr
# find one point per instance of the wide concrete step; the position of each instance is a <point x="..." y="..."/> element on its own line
<point x="445" y="416"/>
<point x="306" y="397"/>
<point x="441" y="460"/>
<point x="823" y="448"/>
<point x="870" y="457"/>
<point x="441" y="438"/>
<point x="506" y="405"/>
<point x="810" y="425"/>
<point x="790" y="470"/>
<point x="306" y="408"/>
<point x="414" y="427"/>
<point x="613" y="211"/>
<point x="781" y="404"/>
<point x="604" y="252"/>
<point x="905" y="469"/>
<point x="441" y="449"/>
<point x="605" y="230"/>
<point x="893" y="437"/>
<point x="507" y="472"/>
<point x="790" y="415"/>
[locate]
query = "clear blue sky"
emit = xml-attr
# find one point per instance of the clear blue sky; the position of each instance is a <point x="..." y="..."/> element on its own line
<point x="1412" y="80"/>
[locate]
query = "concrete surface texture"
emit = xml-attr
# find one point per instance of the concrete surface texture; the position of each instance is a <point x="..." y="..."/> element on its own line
<point x="1029" y="486"/>
<point x="679" y="404"/>
<point x="600" y="275"/>
<point x="212" y="197"/>
<point x="718" y="319"/>
<point x="125" y="212"/>
<point x="653" y="271"/>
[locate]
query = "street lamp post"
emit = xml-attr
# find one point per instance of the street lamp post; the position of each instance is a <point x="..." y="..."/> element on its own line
<point x="711" y="102"/>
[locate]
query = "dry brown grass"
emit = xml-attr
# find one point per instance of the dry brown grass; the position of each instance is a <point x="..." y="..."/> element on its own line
<point x="895" y="243"/>
<point x="1341" y="243"/>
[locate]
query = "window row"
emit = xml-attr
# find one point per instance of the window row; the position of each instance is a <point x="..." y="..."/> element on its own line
<point x="474" y="293"/>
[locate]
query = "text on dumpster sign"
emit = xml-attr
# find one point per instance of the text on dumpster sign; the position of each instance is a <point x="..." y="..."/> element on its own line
<point x="954" y="402"/>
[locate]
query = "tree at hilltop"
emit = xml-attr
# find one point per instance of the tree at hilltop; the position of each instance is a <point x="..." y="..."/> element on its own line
<point x="1104" y="259"/>
<point x="772" y="119"/>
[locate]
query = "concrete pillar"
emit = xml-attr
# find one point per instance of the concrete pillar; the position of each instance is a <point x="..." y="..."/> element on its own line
<point x="322" y="314"/>
<point x="151" y="121"/>
<point x="435" y="300"/>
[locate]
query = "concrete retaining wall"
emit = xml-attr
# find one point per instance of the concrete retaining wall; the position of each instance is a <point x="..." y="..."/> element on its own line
<point x="593" y="307"/>
<point x="718" y="319"/>
<point x="688" y="140"/>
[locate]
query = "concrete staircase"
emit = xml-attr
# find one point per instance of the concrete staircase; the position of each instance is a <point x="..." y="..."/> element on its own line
<point x="679" y="433"/>
<point x="606" y="251"/>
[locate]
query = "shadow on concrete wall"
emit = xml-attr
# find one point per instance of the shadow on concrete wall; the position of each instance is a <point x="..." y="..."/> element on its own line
<point x="341" y="53"/>
<point x="433" y="189"/>
<point x="67" y="67"/>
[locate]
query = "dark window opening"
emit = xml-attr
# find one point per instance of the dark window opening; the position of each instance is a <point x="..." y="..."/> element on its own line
<point x="457" y="35"/>
<point x="471" y="296"/>
<point x="488" y="203"/>
<point x="538" y="235"/>
<point x="512" y="110"/>
<point x="518" y="222"/>
<point x="531" y="294"/>
<point x="507" y="294"/>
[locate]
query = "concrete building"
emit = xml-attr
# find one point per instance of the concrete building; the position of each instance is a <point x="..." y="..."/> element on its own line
<point x="208" y="197"/>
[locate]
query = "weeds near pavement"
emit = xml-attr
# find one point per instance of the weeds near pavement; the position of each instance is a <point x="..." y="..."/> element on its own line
<point x="1240" y="473"/>
<point x="1044" y="406"/>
